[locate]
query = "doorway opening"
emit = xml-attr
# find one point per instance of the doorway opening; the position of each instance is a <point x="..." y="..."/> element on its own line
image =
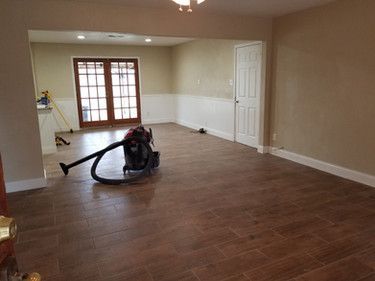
<point x="107" y="91"/>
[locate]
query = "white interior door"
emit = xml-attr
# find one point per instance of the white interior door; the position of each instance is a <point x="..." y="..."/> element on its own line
<point x="248" y="82"/>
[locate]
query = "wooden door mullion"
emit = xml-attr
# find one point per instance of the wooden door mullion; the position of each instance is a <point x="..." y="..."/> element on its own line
<point x="78" y="91"/>
<point x="108" y="89"/>
<point x="137" y="91"/>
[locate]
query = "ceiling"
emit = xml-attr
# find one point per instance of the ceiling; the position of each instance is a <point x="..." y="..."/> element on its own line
<point x="108" y="38"/>
<point x="269" y="8"/>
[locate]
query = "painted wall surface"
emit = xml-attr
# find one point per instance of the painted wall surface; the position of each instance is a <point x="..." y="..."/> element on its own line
<point x="323" y="103"/>
<point x="20" y="141"/>
<point x="54" y="71"/>
<point x="204" y="68"/>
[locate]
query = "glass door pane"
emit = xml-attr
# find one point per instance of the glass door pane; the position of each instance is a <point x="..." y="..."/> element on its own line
<point x="92" y="93"/>
<point x="124" y="90"/>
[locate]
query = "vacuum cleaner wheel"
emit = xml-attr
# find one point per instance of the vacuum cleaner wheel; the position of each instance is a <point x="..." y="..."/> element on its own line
<point x="156" y="160"/>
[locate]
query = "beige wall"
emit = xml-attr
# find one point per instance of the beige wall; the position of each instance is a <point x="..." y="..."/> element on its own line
<point x="20" y="141"/>
<point x="54" y="72"/>
<point x="211" y="62"/>
<point x="323" y="103"/>
<point x="163" y="69"/>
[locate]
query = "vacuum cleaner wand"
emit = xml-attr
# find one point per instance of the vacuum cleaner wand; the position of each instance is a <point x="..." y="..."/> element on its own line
<point x="66" y="168"/>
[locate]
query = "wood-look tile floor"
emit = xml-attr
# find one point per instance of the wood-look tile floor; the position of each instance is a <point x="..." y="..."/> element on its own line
<point x="214" y="210"/>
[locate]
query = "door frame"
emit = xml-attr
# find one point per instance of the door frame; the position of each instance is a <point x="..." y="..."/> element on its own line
<point x="262" y="94"/>
<point x="77" y="106"/>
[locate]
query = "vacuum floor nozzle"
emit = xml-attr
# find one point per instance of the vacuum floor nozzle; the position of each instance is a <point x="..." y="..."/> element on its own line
<point x="64" y="168"/>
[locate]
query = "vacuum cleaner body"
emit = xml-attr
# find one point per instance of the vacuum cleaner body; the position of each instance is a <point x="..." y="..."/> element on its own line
<point x="139" y="157"/>
<point x="136" y="155"/>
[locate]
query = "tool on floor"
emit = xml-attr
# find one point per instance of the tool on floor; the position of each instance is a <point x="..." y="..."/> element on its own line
<point x="139" y="157"/>
<point x="60" y="141"/>
<point x="47" y="97"/>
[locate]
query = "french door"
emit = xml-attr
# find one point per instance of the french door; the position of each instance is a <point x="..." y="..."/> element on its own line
<point x="107" y="91"/>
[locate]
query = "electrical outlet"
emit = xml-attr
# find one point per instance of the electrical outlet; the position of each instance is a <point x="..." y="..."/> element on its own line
<point x="230" y="82"/>
<point x="274" y="137"/>
<point x="199" y="81"/>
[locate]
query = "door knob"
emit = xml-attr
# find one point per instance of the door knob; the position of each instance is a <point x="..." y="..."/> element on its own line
<point x="9" y="272"/>
<point x="25" y="277"/>
<point x="34" y="277"/>
<point x="8" y="228"/>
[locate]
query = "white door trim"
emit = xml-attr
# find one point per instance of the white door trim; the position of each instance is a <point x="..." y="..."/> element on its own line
<point x="262" y="91"/>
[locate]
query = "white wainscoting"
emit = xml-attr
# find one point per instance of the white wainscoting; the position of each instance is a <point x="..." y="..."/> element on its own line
<point x="47" y="131"/>
<point x="155" y="109"/>
<point x="70" y="110"/>
<point x="158" y="108"/>
<point x="216" y="115"/>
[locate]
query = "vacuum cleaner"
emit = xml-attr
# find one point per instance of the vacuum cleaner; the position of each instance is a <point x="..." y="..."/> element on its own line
<point x="139" y="157"/>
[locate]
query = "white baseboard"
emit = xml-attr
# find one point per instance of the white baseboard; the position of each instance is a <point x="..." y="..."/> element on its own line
<point x="49" y="149"/>
<point x="23" y="185"/>
<point x="210" y="131"/>
<point x="263" y="149"/>
<point x="326" y="167"/>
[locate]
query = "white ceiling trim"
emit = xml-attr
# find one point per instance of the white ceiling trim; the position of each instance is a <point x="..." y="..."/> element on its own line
<point x="105" y="38"/>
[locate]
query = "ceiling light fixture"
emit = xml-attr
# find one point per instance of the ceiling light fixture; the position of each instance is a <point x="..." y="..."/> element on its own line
<point x="148" y="40"/>
<point x="81" y="37"/>
<point x="186" y="3"/>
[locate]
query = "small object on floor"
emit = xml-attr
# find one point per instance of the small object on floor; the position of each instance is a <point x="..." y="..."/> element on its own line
<point x="200" y="131"/>
<point x="60" y="141"/>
